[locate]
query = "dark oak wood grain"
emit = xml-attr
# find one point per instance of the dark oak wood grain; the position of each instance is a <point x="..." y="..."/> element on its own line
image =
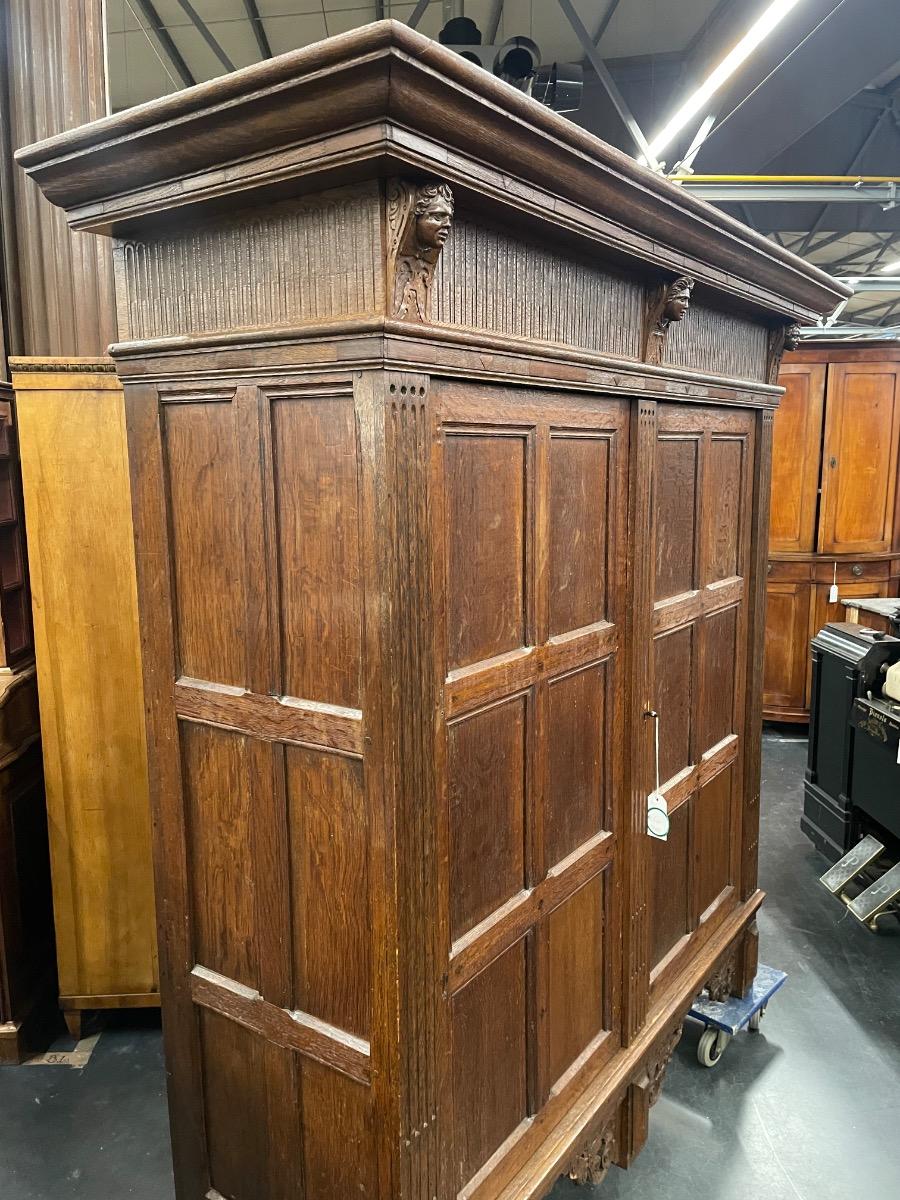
<point x="426" y="530"/>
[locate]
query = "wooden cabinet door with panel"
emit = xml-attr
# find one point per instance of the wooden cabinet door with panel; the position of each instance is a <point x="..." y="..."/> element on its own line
<point x="785" y="682"/>
<point x="703" y="506"/>
<point x="533" y="521"/>
<point x="859" y="459"/>
<point x="796" y="458"/>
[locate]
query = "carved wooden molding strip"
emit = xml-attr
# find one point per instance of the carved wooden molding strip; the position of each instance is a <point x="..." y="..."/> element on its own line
<point x="298" y="1031"/>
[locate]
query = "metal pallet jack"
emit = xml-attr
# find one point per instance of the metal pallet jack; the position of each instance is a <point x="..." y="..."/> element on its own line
<point x="878" y="899"/>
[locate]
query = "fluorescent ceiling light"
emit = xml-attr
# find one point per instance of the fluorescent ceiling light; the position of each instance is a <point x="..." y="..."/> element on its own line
<point x="773" y="15"/>
<point x="891" y="268"/>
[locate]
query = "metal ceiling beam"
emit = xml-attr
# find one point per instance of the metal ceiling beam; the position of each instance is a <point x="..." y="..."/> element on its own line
<point x="833" y="193"/>
<point x="856" y="44"/>
<point x="157" y="32"/>
<point x="871" y="283"/>
<point x="417" y="14"/>
<point x="604" y="21"/>
<point x="206" y="33"/>
<point x="493" y="23"/>
<point x="259" y="30"/>
<point x="612" y="88"/>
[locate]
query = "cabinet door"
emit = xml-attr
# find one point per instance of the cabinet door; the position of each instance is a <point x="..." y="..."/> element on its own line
<point x="787" y="648"/>
<point x="533" y="522"/>
<point x="859" y="465"/>
<point x="701" y="530"/>
<point x="796" y="458"/>
<point x="823" y="612"/>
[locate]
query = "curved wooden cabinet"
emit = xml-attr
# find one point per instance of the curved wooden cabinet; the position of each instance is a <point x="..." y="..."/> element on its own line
<point x="446" y="477"/>
<point x="834" y="512"/>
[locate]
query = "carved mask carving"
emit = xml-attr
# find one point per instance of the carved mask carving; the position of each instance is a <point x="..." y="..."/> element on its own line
<point x="791" y="337"/>
<point x="678" y="299"/>
<point x="419" y="220"/>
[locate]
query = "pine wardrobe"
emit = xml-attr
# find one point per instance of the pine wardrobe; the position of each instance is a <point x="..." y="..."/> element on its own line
<point x="450" y="437"/>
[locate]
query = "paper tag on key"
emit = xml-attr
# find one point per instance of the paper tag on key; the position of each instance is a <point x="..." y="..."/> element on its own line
<point x="658" y="816"/>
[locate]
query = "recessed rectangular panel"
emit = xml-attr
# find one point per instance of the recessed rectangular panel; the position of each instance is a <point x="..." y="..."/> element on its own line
<point x="337" y="1129"/>
<point x="577" y="728"/>
<point x="718" y="682"/>
<point x="575" y="982"/>
<point x="203" y="459"/>
<point x="486" y="515"/>
<point x="329" y="846"/>
<point x="676" y="500"/>
<point x="489" y="1072"/>
<point x="669" y="881"/>
<point x="216" y="768"/>
<point x="579" y="524"/>
<point x="317" y="506"/>
<point x="723" y="515"/>
<point x="487" y="774"/>
<point x="712" y="840"/>
<point x="234" y="1094"/>
<point x="673" y="673"/>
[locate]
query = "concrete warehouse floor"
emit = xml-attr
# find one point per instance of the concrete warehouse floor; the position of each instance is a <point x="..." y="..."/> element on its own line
<point x="806" y="1110"/>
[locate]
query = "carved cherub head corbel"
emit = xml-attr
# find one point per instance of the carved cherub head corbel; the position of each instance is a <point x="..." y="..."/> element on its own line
<point x="678" y="299"/>
<point x="791" y="336"/>
<point x="666" y="304"/>
<point x="419" y="221"/>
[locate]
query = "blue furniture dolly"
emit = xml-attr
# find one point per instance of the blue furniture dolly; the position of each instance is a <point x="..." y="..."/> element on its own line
<point x="724" y="1018"/>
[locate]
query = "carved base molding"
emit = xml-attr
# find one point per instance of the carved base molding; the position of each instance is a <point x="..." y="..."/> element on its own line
<point x="591" y="1165"/>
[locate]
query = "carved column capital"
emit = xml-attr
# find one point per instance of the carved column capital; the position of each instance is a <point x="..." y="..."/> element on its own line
<point x="418" y="225"/>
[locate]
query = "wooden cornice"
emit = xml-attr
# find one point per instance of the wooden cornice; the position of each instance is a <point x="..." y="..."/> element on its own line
<point x="384" y="98"/>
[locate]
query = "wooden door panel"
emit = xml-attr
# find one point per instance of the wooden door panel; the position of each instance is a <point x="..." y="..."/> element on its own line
<point x="859" y="468"/>
<point x="576" y="976"/>
<point x="577" y="538"/>
<point x="796" y="458"/>
<point x="202" y="455"/>
<point x="534" y="691"/>
<point x="488" y="1031"/>
<point x="787" y="645"/>
<point x="575" y="806"/>
<point x="703" y="472"/>
<point x="487" y="774"/>
<point x="486" y="535"/>
<point x="328" y="839"/>
<point x="317" y="522"/>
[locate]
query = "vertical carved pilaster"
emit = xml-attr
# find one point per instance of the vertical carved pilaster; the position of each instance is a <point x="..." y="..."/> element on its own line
<point x="418" y="225"/>
<point x="634" y="858"/>
<point x="412" y="752"/>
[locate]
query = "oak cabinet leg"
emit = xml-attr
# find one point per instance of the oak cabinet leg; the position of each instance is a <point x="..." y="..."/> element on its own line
<point x="73" y="1018"/>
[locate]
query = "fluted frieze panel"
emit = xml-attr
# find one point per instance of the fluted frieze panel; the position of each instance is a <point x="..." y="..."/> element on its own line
<point x="487" y="279"/>
<point x="296" y="262"/>
<point x="719" y="343"/>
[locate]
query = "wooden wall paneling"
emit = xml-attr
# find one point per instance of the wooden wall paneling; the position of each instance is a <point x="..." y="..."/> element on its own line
<point x="399" y="606"/>
<point x="785" y="684"/>
<point x="859" y="458"/>
<point x="56" y="80"/>
<point x="75" y="472"/>
<point x="797" y="458"/>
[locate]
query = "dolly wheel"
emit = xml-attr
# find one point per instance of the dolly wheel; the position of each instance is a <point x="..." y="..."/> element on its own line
<point x="711" y="1046"/>
<point x="756" y="1019"/>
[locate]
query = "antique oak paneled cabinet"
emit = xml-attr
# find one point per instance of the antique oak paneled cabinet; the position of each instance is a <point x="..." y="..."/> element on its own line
<point x="450" y="436"/>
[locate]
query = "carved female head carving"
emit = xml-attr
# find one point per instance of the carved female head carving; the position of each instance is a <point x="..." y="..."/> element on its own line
<point x="433" y="213"/>
<point x="678" y="298"/>
<point x="791" y="337"/>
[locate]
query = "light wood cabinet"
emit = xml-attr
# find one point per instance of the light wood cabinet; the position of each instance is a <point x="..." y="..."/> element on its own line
<point x="78" y="515"/>
<point x="834" y="503"/>
<point x="441" y="499"/>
